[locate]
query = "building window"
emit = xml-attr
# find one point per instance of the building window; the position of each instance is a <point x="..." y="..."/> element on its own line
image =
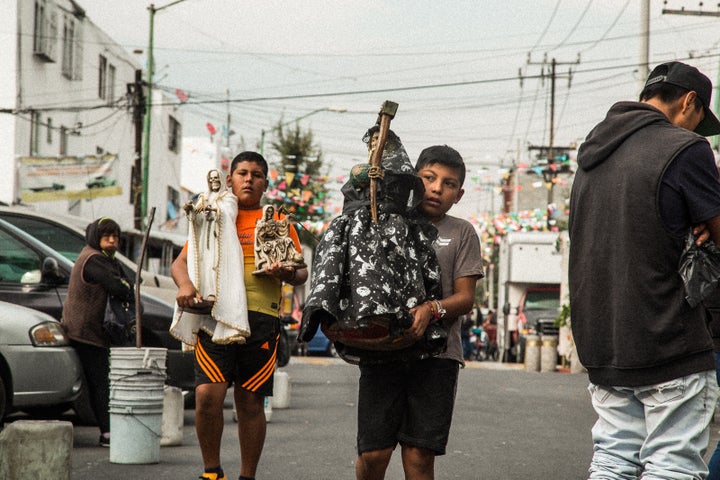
<point x="106" y="80"/>
<point x="34" y="133"/>
<point x="102" y="76"/>
<point x="173" y="208"/>
<point x="72" y="48"/>
<point x="44" y="30"/>
<point x="49" y="137"/>
<point x="174" y="135"/>
<point x="111" y="84"/>
<point x="63" y="140"/>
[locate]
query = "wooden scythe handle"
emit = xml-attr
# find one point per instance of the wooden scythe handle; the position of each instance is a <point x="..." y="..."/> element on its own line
<point x="138" y="279"/>
<point x="387" y="112"/>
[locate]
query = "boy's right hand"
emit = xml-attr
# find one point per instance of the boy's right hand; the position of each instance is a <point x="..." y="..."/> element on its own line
<point x="422" y="315"/>
<point x="187" y="296"/>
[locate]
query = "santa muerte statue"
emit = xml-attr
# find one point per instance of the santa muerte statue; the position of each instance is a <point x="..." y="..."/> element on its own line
<point x="215" y="267"/>
<point x="375" y="262"/>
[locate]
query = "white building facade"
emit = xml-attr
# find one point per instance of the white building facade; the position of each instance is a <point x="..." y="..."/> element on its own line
<point x="68" y="130"/>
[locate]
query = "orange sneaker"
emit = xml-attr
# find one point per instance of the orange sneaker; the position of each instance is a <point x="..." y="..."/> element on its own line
<point x="213" y="476"/>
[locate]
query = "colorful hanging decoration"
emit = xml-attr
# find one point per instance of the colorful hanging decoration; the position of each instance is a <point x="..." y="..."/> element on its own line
<point x="181" y="95"/>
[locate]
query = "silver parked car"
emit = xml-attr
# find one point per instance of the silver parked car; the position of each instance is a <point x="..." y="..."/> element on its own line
<point x="40" y="372"/>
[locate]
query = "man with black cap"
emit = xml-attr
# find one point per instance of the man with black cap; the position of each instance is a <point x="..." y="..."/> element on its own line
<point x="646" y="177"/>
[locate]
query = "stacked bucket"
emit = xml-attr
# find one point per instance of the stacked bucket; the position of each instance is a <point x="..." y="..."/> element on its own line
<point x="541" y="353"/>
<point x="137" y="377"/>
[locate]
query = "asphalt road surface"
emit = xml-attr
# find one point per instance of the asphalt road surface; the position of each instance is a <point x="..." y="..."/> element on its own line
<point x="508" y="424"/>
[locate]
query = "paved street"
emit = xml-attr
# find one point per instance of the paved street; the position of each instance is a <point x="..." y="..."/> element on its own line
<point x="509" y="424"/>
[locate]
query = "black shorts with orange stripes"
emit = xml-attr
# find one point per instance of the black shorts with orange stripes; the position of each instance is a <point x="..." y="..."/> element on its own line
<point x="249" y="365"/>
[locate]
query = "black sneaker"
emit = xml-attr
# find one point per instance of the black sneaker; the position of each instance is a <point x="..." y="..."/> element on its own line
<point x="104" y="440"/>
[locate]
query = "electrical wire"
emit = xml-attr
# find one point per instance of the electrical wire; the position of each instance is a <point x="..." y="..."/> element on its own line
<point x="547" y="27"/>
<point x="610" y="28"/>
<point x="572" y="30"/>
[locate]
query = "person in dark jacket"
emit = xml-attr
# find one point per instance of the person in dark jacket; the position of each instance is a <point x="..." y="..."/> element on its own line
<point x="646" y="177"/>
<point x="95" y="275"/>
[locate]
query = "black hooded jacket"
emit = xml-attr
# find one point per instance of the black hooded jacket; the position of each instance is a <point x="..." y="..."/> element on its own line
<point x="630" y="320"/>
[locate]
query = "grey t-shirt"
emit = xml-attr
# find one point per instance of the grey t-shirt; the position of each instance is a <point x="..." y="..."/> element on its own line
<point x="458" y="250"/>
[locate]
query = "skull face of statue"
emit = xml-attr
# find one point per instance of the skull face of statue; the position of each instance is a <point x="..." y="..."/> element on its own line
<point x="213" y="179"/>
<point x="373" y="141"/>
<point x="269" y="212"/>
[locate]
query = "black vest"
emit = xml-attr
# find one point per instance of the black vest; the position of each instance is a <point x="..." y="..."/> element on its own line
<point x="84" y="307"/>
<point x="630" y="321"/>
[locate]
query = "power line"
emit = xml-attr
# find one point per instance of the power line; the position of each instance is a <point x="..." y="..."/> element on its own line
<point x="572" y="30"/>
<point x="421" y="87"/>
<point x="349" y="92"/>
<point x="612" y="25"/>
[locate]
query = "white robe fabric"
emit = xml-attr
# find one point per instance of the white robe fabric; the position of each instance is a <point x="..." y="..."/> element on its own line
<point x="215" y="265"/>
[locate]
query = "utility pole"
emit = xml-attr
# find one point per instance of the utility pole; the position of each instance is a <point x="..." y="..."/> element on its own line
<point x="701" y="13"/>
<point x="643" y="68"/>
<point x="137" y="99"/>
<point x="550" y="170"/>
<point x="508" y="188"/>
<point x="148" y="109"/>
<point x="227" y="131"/>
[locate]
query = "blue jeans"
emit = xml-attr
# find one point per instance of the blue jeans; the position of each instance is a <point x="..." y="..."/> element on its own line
<point x="714" y="464"/>
<point x="653" y="432"/>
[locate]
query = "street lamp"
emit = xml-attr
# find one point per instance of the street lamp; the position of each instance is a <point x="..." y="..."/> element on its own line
<point x="148" y="105"/>
<point x="325" y="109"/>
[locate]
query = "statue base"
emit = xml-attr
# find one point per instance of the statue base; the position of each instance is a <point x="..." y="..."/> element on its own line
<point x="295" y="265"/>
<point x="201" y="308"/>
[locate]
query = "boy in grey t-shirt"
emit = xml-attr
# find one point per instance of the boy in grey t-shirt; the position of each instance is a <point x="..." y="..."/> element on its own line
<point x="418" y="397"/>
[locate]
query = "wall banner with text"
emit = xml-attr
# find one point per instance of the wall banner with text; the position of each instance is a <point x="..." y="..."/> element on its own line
<point x="46" y="179"/>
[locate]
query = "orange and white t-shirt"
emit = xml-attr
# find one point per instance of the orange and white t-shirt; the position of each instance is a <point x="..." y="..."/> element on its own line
<point x="263" y="291"/>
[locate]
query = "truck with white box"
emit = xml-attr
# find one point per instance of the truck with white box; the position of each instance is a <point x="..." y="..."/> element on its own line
<point x="530" y="273"/>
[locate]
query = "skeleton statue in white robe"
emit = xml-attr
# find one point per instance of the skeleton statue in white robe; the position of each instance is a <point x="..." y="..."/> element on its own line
<point x="215" y="265"/>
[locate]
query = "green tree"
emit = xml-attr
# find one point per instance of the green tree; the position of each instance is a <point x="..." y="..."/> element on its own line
<point x="300" y="185"/>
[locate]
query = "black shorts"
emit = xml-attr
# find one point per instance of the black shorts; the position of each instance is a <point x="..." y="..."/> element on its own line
<point x="407" y="403"/>
<point x="250" y="365"/>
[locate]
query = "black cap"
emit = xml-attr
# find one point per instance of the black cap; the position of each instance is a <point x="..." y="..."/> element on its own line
<point x="689" y="78"/>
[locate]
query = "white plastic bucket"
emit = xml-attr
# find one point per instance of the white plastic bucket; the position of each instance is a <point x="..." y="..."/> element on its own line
<point x="532" y="353"/>
<point x="548" y="353"/>
<point x="268" y="408"/>
<point x="137" y="377"/>
<point x="127" y="361"/>
<point x="281" y="390"/>
<point x="173" y="417"/>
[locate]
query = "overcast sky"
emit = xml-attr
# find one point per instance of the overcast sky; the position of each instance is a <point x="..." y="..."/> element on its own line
<point x="465" y="73"/>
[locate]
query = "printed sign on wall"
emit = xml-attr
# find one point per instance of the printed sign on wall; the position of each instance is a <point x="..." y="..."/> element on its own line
<point x="46" y="179"/>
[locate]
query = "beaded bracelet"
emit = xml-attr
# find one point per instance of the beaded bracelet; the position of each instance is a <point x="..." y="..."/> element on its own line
<point x="435" y="309"/>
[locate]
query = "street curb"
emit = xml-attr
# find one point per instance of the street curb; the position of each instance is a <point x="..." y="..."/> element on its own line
<point x="489" y="365"/>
